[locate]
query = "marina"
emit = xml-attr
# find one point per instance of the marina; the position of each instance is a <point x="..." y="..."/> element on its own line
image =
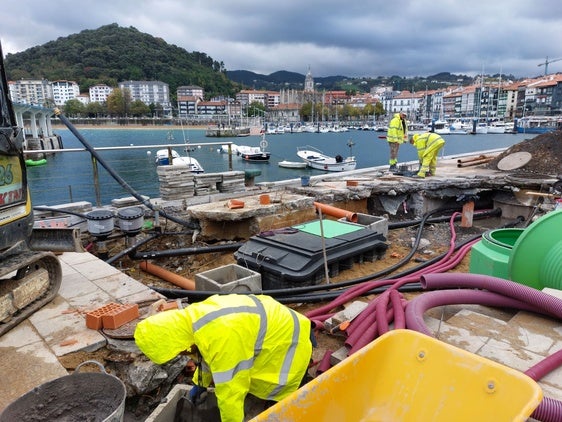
<point x="291" y="209"/>
<point x="51" y="184"/>
<point x="59" y="332"/>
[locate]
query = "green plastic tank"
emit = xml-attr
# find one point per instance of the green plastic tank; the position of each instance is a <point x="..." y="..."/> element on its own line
<point x="536" y="259"/>
<point x="490" y="256"/>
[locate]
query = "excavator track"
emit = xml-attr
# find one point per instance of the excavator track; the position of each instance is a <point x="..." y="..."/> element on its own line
<point x="34" y="280"/>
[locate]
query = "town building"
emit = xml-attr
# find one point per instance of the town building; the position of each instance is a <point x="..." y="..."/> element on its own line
<point x="64" y="91"/>
<point x="31" y="91"/>
<point x="155" y="93"/>
<point x="99" y="93"/>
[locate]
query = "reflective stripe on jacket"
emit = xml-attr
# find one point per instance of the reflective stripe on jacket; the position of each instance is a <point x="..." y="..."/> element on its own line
<point x="396" y="130"/>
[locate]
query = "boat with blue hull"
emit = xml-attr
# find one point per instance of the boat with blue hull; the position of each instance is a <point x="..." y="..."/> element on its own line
<point x="539" y="124"/>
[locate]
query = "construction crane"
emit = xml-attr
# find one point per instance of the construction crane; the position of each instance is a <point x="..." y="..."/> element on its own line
<point x="547" y="62"/>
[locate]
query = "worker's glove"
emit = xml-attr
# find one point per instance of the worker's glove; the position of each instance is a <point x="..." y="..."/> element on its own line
<point x="197" y="394"/>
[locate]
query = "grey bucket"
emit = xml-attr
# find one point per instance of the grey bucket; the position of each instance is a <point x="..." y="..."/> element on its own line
<point x="81" y="396"/>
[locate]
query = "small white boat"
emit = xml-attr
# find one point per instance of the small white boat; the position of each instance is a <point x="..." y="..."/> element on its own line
<point x="162" y="158"/>
<point x="498" y="127"/>
<point x="224" y="148"/>
<point x="318" y="160"/>
<point x="292" y="164"/>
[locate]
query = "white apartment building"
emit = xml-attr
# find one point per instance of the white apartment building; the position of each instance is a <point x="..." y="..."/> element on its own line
<point x="64" y="91"/>
<point x="31" y="91"/>
<point x="190" y="91"/>
<point x="269" y="99"/>
<point x="99" y="93"/>
<point x="150" y="92"/>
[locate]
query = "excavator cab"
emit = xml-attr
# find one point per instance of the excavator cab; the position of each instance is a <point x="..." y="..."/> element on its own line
<point x="30" y="272"/>
<point x="16" y="216"/>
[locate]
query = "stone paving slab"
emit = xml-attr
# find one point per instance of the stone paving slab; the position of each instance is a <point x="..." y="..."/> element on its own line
<point x="29" y="352"/>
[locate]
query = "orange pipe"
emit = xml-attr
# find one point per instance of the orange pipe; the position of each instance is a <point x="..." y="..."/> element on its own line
<point x="336" y="212"/>
<point x="178" y="280"/>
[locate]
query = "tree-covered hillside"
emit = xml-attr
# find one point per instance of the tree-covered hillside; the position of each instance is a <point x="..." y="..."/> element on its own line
<point x="111" y="54"/>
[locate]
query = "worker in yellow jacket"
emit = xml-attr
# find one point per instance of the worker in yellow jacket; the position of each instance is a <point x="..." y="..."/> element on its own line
<point x="248" y="344"/>
<point x="396" y="134"/>
<point x="428" y="145"/>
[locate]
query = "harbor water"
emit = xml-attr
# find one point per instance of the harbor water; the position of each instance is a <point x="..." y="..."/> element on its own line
<point x="69" y="176"/>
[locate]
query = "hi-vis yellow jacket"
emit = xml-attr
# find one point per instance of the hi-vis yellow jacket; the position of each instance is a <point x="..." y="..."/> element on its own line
<point x="249" y="344"/>
<point x="397" y="130"/>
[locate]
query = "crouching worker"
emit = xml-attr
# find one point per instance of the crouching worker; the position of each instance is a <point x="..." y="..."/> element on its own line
<point x="248" y="344"/>
<point x="428" y="145"/>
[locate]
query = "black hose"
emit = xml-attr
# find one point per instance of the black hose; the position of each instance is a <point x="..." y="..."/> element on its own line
<point x="116" y="176"/>
<point x="185" y="251"/>
<point x="477" y="215"/>
<point x="57" y="210"/>
<point x="132" y="248"/>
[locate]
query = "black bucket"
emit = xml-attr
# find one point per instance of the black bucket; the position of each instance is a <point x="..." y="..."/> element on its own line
<point x="84" y="397"/>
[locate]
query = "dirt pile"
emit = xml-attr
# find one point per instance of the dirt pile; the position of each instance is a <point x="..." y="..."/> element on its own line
<point x="546" y="152"/>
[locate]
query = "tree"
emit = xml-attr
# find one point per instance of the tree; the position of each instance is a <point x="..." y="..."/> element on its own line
<point x="379" y="109"/>
<point x="95" y="109"/>
<point x="138" y="108"/>
<point x="118" y="102"/>
<point x="74" y="108"/>
<point x="255" y="108"/>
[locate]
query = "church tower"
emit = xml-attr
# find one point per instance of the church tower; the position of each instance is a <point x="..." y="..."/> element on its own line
<point x="308" y="82"/>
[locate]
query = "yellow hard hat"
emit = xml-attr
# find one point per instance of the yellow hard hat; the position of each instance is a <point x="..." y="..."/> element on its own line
<point x="414" y="137"/>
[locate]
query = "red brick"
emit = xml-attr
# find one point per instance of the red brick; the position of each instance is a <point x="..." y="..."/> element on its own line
<point x="119" y="316"/>
<point x="111" y="316"/>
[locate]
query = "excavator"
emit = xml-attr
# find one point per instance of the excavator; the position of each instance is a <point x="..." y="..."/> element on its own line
<point x="30" y="271"/>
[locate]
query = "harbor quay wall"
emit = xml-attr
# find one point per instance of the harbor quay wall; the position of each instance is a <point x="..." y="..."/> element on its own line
<point x="371" y="191"/>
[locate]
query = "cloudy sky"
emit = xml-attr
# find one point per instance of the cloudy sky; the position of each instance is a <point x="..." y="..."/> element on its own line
<point x="351" y="38"/>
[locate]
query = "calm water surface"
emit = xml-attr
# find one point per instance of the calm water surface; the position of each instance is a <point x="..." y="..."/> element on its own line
<point x="68" y="177"/>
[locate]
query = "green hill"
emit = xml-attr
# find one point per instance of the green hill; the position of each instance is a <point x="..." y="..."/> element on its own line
<point x="111" y="54"/>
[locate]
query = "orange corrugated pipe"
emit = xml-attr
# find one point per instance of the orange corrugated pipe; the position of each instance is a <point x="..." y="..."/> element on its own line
<point x="336" y="212"/>
<point x="178" y="280"/>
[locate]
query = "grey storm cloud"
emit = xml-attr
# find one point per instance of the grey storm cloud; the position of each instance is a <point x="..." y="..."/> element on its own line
<point x="356" y="38"/>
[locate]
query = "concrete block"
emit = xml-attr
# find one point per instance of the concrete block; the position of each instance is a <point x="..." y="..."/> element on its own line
<point x="230" y="278"/>
<point x="373" y="222"/>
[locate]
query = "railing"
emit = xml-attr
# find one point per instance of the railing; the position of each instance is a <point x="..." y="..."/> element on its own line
<point x="73" y="174"/>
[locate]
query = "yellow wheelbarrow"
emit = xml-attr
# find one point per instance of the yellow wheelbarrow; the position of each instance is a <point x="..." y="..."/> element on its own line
<point x="408" y="376"/>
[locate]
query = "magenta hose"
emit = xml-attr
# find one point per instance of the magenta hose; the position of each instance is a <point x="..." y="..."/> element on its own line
<point x="347" y="296"/>
<point x="417" y="306"/>
<point x="545" y="366"/>
<point x="381" y="310"/>
<point x="398" y="304"/>
<point x="548" y="304"/>
<point x="367" y="336"/>
<point x="324" y="364"/>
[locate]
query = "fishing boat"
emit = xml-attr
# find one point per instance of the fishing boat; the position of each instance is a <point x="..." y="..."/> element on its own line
<point x="318" y="160"/>
<point x="292" y="164"/>
<point x="248" y="153"/>
<point x="255" y="154"/>
<point x="539" y="124"/>
<point x="163" y="159"/>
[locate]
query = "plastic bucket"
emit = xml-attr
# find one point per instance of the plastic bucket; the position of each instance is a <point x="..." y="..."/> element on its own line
<point x="490" y="256"/>
<point x="305" y="181"/>
<point x="91" y="396"/>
